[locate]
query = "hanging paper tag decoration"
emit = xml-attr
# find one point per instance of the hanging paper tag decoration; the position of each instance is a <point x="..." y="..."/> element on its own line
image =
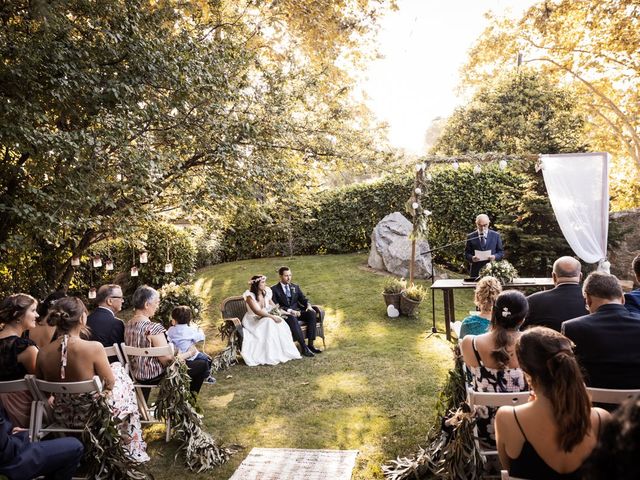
<point x="134" y="271"/>
<point x="108" y="265"/>
<point x="143" y="257"/>
<point x="75" y="261"/>
<point x="97" y="261"/>
<point x="92" y="293"/>
<point x="168" y="268"/>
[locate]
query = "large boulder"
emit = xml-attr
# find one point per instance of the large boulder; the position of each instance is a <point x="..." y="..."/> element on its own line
<point x="391" y="248"/>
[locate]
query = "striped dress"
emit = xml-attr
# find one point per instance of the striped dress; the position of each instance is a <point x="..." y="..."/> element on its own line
<point x="136" y="334"/>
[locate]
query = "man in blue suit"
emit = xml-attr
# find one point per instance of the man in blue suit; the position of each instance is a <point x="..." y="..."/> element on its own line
<point x="20" y="459"/>
<point x="482" y="239"/>
<point x="632" y="299"/>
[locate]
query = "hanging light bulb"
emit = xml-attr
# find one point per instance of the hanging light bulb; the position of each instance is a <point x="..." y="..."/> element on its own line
<point x="168" y="268"/>
<point x="97" y="261"/>
<point x="108" y="265"/>
<point x="502" y="164"/>
<point x="455" y="165"/>
<point x="477" y="170"/>
<point x="134" y="271"/>
<point x="415" y="205"/>
<point x="143" y="257"/>
<point x="92" y="293"/>
<point x="75" y="261"/>
<point x="418" y="191"/>
<point x="118" y="177"/>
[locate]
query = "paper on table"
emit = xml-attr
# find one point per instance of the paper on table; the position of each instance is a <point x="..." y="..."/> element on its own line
<point x="483" y="254"/>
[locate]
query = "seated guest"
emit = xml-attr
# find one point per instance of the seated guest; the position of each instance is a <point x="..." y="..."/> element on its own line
<point x="563" y="302"/>
<point x="550" y="436"/>
<point x="616" y="454"/>
<point x="632" y="299"/>
<point x="486" y="292"/>
<point x="490" y="357"/>
<point x="70" y="358"/>
<point x="184" y="335"/>
<point x="104" y="326"/>
<point x="22" y="460"/>
<point x="17" y="355"/>
<point x="44" y="333"/>
<point x="607" y="339"/>
<point x="141" y="332"/>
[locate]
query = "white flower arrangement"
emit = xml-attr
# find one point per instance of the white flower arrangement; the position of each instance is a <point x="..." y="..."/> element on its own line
<point x="501" y="270"/>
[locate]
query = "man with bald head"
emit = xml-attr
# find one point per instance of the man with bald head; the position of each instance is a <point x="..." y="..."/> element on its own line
<point x="482" y="239"/>
<point x="564" y="302"/>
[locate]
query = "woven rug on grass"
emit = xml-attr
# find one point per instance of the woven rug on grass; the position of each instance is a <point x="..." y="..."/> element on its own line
<point x="296" y="464"/>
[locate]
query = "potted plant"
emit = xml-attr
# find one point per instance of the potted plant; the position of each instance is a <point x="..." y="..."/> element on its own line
<point x="411" y="298"/>
<point x="392" y="290"/>
<point x="502" y="270"/>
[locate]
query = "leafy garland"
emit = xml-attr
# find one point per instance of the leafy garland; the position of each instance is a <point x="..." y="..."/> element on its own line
<point x="176" y="402"/>
<point x="451" y="452"/>
<point x="105" y="454"/>
<point x="229" y="356"/>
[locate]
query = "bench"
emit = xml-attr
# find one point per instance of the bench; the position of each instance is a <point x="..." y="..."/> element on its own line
<point x="234" y="308"/>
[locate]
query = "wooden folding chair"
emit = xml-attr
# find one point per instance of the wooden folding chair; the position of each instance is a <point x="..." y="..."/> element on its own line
<point x="610" y="396"/>
<point x="22" y="385"/>
<point x="493" y="399"/>
<point x="114" y="351"/>
<point x="44" y="419"/>
<point x="147" y="414"/>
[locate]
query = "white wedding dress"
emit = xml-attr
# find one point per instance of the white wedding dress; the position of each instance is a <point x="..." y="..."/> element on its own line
<point x="266" y="342"/>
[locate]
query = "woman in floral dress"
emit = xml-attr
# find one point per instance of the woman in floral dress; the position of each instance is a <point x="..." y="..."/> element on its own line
<point x="70" y="358"/>
<point x="492" y="365"/>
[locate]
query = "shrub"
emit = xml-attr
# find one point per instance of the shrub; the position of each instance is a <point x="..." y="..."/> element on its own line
<point x="171" y="296"/>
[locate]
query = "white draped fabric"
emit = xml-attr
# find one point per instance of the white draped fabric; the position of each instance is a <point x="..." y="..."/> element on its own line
<point x="578" y="187"/>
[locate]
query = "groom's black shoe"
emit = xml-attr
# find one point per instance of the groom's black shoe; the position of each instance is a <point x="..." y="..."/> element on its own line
<point x="307" y="353"/>
<point x="314" y="349"/>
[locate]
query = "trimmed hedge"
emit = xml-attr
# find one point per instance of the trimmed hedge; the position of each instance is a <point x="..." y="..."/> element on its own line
<point x="341" y="220"/>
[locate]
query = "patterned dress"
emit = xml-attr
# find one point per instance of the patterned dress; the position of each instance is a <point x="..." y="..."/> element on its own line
<point x="72" y="409"/>
<point x="484" y="379"/>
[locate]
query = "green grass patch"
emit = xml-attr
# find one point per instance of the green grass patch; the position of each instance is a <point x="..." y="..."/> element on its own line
<point x="374" y="389"/>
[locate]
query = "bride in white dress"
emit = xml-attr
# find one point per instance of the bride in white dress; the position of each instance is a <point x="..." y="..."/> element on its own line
<point x="267" y="338"/>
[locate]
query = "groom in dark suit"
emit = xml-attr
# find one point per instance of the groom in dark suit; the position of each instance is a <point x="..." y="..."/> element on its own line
<point x="290" y="298"/>
<point x="482" y="239"/>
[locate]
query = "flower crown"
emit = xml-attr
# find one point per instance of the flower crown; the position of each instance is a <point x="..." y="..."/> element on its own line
<point x="257" y="280"/>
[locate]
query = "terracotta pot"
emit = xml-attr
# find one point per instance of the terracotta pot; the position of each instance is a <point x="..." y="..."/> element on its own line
<point x="407" y="306"/>
<point x="392" y="299"/>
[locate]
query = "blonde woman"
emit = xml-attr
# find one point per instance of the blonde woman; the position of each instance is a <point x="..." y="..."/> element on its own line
<point x="486" y="293"/>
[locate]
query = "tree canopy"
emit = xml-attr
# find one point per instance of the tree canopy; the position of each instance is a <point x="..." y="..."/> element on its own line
<point x="115" y="112"/>
<point x="591" y="46"/>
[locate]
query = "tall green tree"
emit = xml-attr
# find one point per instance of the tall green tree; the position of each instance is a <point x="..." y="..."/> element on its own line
<point x="593" y="46"/>
<point x="115" y="112"/>
<point x="521" y="114"/>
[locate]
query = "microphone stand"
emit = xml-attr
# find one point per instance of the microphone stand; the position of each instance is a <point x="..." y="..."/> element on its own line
<point x="433" y="303"/>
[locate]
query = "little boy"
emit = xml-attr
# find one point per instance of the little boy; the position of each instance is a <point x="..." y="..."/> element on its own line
<point x="183" y="335"/>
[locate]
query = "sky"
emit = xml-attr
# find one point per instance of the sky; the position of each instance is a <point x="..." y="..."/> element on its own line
<point x="424" y="44"/>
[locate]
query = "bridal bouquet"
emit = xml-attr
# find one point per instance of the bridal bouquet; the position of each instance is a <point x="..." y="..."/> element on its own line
<point x="502" y="270"/>
<point x="277" y="312"/>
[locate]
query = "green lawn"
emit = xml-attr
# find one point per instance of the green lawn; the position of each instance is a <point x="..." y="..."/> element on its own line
<point x="373" y="389"/>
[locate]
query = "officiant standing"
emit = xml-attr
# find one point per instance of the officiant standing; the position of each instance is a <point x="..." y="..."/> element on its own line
<point x="483" y="246"/>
